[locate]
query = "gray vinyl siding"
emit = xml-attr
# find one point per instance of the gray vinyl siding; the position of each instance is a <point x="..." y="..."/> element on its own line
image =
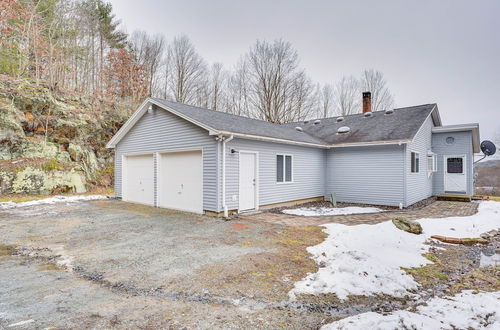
<point x="368" y="175"/>
<point x="419" y="185"/>
<point x="307" y="170"/>
<point x="461" y="146"/>
<point x="162" y="131"/>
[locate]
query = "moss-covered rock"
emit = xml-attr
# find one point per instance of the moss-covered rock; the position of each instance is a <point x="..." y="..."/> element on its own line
<point x="62" y="128"/>
<point x="36" y="181"/>
<point x="407" y="225"/>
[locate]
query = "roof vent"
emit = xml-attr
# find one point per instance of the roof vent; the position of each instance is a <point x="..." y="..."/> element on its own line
<point x="317" y="121"/>
<point x="306" y="121"/>
<point x="298" y="128"/>
<point x="339" y="119"/>
<point x="343" y="130"/>
<point x="368" y="114"/>
<point x="389" y="111"/>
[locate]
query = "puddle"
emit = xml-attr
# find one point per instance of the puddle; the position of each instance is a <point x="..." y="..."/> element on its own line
<point x="489" y="259"/>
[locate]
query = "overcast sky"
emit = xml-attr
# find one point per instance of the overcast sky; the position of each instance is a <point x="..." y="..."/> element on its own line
<point x="447" y="52"/>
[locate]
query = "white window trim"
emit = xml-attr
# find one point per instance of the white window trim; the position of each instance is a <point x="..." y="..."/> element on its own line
<point x="434" y="165"/>
<point x="284" y="168"/>
<point x="419" y="162"/>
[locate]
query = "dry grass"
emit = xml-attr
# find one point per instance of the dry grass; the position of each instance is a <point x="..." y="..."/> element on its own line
<point x="267" y="275"/>
<point x="19" y="198"/>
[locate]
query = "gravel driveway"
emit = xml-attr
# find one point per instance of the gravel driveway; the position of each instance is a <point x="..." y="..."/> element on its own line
<point x="104" y="264"/>
<point x="110" y="264"/>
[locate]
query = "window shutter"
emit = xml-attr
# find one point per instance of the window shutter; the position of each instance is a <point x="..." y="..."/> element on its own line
<point x="288" y="168"/>
<point x="279" y="168"/>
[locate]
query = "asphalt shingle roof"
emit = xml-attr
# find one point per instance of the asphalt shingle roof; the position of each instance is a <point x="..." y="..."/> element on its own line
<point x="402" y="124"/>
<point x="223" y="121"/>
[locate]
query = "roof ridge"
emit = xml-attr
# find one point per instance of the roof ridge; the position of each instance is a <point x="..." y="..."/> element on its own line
<point x="359" y="113"/>
<point x="217" y="111"/>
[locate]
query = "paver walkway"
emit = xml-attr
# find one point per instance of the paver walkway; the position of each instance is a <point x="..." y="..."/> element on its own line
<point x="438" y="209"/>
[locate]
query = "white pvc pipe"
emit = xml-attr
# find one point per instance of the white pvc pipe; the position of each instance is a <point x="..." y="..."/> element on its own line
<point x="224" y="205"/>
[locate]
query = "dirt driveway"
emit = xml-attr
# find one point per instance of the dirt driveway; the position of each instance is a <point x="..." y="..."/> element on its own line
<point x="108" y="264"/>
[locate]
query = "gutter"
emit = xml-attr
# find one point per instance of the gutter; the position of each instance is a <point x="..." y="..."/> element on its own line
<point x="224" y="141"/>
<point x="363" y="144"/>
<point x="266" y="138"/>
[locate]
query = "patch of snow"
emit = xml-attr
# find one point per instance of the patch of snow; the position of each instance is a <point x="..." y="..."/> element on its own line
<point x="21" y="323"/>
<point x="367" y="259"/>
<point x="489" y="260"/>
<point x="323" y="211"/>
<point x="463" y="311"/>
<point x="51" y="200"/>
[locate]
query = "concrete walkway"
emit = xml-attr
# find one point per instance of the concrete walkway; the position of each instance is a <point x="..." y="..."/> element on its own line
<point x="438" y="209"/>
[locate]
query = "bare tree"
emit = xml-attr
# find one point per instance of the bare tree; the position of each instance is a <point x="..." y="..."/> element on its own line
<point x="374" y="82"/>
<point x="218" y="77"/>
<point x="187" y="71"/>
<point x="279" y="91"/>
<point x="148" y="51"/>
<point x="346" y="96"/>
<point x="326" y="100"/>
<point x="237" y="87"/>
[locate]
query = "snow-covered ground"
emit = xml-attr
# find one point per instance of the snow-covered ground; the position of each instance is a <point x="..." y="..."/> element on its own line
<point x="51" y="200"/>
<point x="322" y="211"/>
<point x="466" y="310"/>
<point x="367" y="259"/>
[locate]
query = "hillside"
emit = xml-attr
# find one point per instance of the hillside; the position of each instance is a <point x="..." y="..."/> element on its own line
<point x="53" y="141"/>
<point x="488" y="177"/>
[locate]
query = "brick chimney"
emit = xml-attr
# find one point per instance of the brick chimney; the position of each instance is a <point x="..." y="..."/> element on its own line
<point x="367" y="102"/>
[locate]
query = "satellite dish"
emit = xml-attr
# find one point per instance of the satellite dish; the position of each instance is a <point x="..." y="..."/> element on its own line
<point x="488" y="148"/>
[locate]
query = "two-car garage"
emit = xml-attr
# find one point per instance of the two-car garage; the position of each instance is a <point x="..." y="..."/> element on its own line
<point x="177" y="180"/>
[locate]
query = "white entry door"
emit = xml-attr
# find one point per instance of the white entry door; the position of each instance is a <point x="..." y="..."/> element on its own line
<point x="180" y="181"/>
<point x="248" y="181"/>
<point x="138" y="179"/>
<point x="455" y="178"/>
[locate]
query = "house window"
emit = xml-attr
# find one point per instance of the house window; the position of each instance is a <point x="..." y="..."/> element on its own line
<point x="455" y="165"/>
<point x="283" y="168"/>
<point x="431" y="163"/>
<point x="415" y="162"/>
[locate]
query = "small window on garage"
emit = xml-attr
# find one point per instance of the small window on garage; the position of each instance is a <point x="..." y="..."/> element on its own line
<point x="415" y="162"/>
<point x="284" y="168"/>
<point x="455" y="165"/>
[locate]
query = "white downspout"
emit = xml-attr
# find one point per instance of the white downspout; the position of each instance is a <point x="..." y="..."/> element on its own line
<point x="224" y="206"/>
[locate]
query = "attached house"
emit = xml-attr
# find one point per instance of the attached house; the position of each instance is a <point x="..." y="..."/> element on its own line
<point x="183" y="157"/>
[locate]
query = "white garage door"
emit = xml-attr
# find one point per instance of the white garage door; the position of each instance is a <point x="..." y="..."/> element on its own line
<point x="180" y="181"/>
<point x="138" y="179"/>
